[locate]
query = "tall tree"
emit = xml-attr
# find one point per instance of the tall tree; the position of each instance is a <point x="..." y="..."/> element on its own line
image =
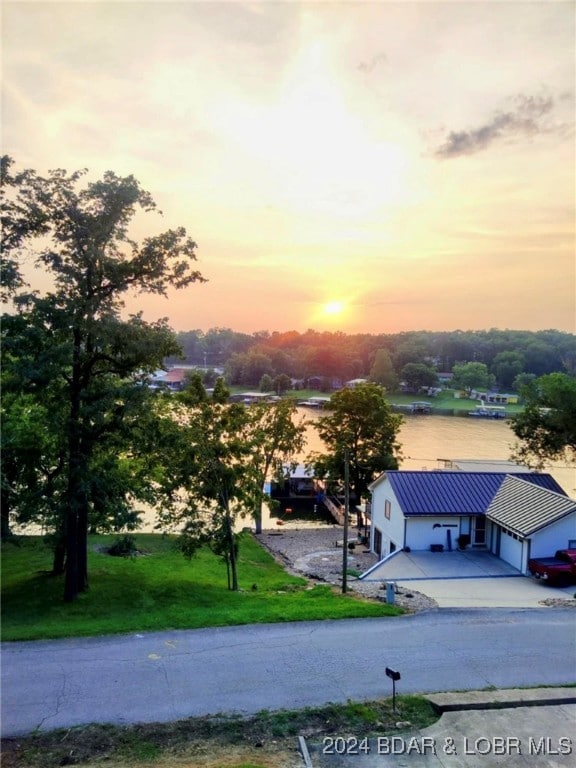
<point x="361" y="428"/>
<point x="547" y="426"/>
<point x="209" y="483"/>
<point x="220" y="456"/>
<point x="95" y="355"/>
<point x="506" y="366"/>
<point x="275" y="439"/>
<point x="382" y="371"/>
<point x="471" y="376"/>
<point x="419" y="375"/>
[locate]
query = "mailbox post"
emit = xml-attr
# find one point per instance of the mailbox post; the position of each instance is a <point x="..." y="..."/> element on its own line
<point x="393" y="676"/>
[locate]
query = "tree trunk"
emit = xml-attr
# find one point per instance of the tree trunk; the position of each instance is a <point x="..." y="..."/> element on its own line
<point x="59" y="558"/>
<point x="75" y="479"/>
<point x="5" y="516"/>
<point x="71" y="578"/>
<point x="232" y="545"/>
<point x="83" y="544"/>
<point x="258" y="516"/>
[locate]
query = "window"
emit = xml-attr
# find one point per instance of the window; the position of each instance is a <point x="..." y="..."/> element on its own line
<point x="387" y="509"/>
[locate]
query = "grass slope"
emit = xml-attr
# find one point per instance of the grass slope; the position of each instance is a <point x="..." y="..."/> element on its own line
<point x="266" y="740"/>
<point x="158" y="590"/>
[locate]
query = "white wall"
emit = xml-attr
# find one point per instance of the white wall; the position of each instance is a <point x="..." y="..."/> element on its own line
<point x="420" y="531"/>
<point x="555" y="536"/>
<point x="392" y="529"/>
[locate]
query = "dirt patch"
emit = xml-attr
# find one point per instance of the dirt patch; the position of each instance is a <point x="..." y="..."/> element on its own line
<point x="557" y="602"/>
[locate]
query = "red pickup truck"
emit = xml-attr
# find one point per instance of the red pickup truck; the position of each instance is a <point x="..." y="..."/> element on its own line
<point x="560" y="568"/>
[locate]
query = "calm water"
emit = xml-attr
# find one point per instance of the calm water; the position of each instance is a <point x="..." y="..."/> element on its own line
<point x="425" y="439"/>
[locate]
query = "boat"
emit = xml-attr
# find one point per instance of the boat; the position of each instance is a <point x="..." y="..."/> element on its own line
<point x="489" y="412"/>
<point x="420" y="407"/>
<point x="314" y="402"/>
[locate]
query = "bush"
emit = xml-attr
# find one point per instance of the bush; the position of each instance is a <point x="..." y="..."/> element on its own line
<point x="123" y="547"/>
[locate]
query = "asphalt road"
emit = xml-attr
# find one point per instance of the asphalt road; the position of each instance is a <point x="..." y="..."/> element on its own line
<point x="170" y="675"/>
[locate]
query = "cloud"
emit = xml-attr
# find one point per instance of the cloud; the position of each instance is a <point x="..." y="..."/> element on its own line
<point x="526" y="118"/>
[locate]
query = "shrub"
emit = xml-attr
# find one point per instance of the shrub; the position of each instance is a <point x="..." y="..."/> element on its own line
<point x="123" y="547"/>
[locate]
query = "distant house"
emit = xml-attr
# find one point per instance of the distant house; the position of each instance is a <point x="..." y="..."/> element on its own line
<point x="495" y="398"/>
<point x="352" y="383"/>
<point x="173" y="379"/>
<point x="511" y="514"/>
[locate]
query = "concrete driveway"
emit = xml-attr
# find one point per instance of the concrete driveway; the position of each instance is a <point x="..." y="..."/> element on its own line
<point x="470" y="579"/>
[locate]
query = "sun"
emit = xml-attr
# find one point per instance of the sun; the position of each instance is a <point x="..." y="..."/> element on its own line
<point x="334" y="308"/>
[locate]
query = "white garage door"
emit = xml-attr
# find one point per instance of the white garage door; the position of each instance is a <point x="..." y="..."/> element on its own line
<point x="511" y="550"/>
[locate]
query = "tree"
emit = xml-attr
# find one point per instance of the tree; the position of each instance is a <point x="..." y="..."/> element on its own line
<point x="361" y="427"/>
<point x="281" y="383"/>
<point x="275" y="439"/>
<point x="382" y="371"/>
<point x="221" y="393"/>
<point x="93" y="358"/>
<point x="547" y="426"/>
<point x="194" y="391"/>
<point x="206" y="481"/>
<point x="266" y="383"/>
<point x="469" y="376"/>
<point x="506" y="367"/>
<point x="418" y="375"/>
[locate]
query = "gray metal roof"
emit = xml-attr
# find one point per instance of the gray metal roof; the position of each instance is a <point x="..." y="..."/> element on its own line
<point x="525" y="508"/>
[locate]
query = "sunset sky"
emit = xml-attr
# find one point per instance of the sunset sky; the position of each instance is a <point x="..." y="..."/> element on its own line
<point x="354" y="166"/>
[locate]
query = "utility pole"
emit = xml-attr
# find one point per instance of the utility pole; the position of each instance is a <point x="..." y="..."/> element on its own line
<point x="346" y="518"/>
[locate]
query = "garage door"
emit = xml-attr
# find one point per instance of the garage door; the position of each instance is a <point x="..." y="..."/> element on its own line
<point x="511" y="550"/>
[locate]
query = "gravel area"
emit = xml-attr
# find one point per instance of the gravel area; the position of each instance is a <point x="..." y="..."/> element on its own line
<point x="316" y="553"/>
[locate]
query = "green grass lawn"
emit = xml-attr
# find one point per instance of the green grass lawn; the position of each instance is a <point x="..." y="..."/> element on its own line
<point x="160" y="590"/>
<point x="445" y="401"/>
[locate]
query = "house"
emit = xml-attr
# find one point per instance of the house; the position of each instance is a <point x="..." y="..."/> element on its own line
<point x="440" y="510"/>
<point x="173" y="379"/>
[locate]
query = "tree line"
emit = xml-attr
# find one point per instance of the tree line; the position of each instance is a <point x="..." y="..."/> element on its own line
<point x="510" y="358"/>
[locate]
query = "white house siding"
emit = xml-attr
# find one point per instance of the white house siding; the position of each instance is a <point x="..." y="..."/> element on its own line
<point x="555" y="536"/>
<point x="421" y="534"/>
<point x="391" y="529"/>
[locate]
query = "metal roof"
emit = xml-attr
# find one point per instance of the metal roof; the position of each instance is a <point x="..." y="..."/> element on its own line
<point x="455" y="493"/>
<point x="525" y="508"/>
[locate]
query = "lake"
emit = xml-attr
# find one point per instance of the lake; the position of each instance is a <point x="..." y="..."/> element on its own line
<point x="426" y="439"/>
